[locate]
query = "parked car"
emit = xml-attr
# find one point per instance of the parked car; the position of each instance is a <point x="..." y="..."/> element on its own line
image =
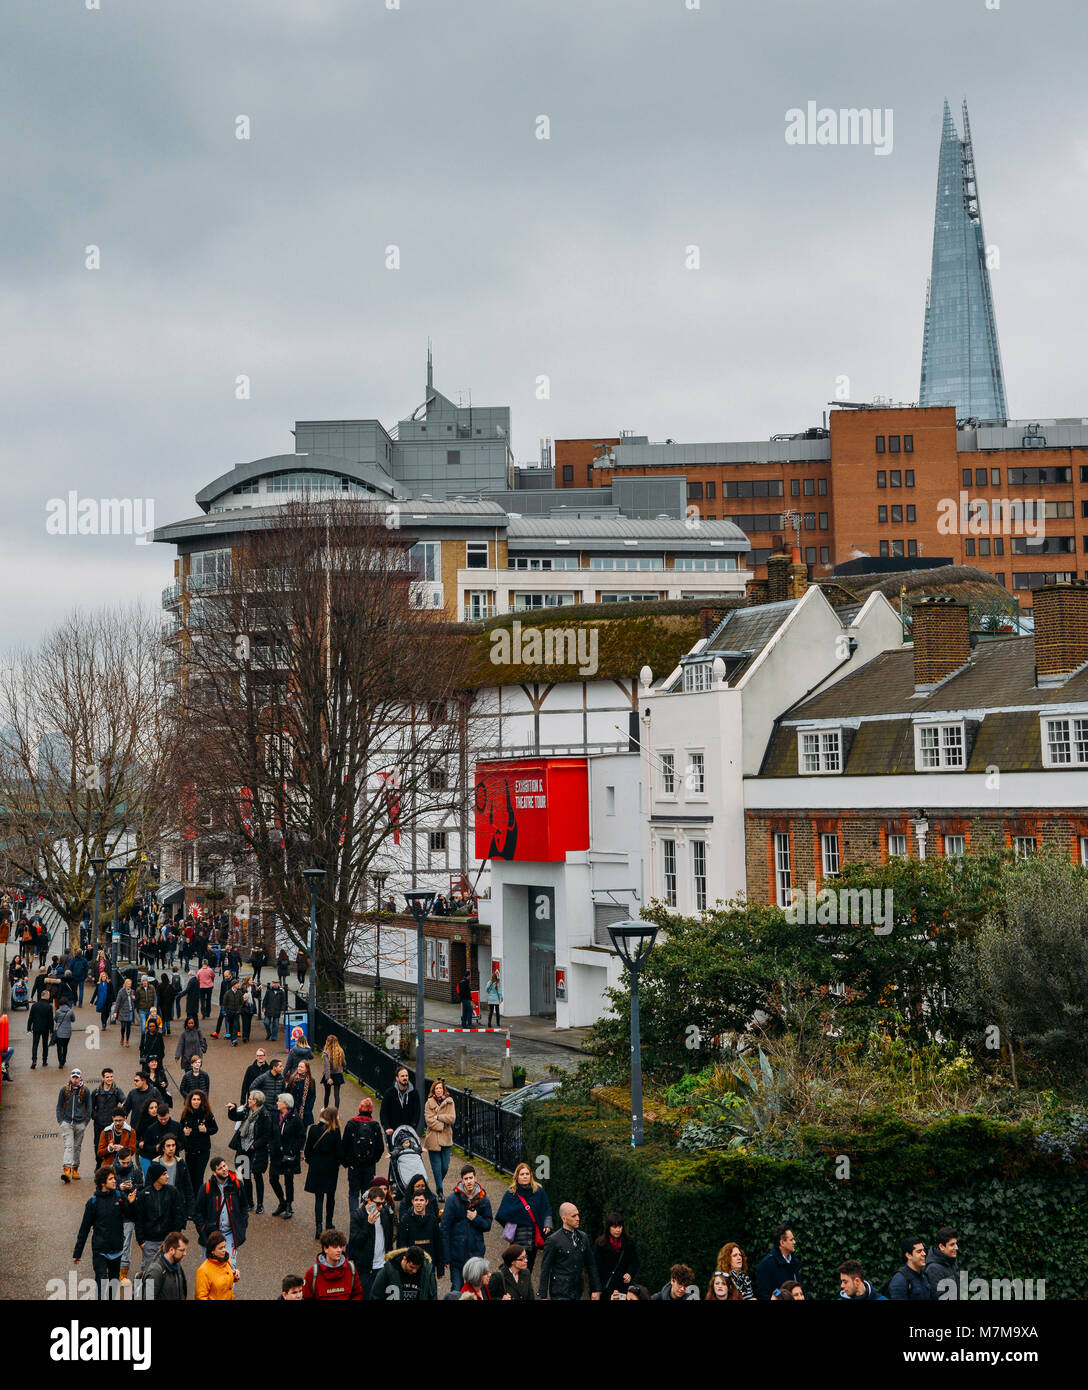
<point x="536" y="1090"/>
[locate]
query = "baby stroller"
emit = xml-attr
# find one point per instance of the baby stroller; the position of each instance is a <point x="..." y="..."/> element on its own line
<point x="20" y="995"/>
<point x="405" y="1160"/>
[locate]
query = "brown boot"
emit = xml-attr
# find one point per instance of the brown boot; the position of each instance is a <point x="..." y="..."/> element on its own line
<point x="66" y="1173"/>
<point x="75" y="1175"/>
<point x="124" y="1274"/>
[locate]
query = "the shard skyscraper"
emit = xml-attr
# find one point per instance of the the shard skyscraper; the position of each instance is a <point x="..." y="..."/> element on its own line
<point x="961" y="361"/>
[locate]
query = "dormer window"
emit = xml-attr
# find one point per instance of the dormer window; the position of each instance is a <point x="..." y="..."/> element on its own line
<point x="819" y="750"/>
<point x="939" y="747"/>
<point x="1065" y="742"/>
<point x="698" y="676"/>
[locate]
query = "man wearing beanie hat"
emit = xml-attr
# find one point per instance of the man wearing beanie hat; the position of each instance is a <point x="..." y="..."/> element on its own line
<point x="363" y="1147"/>
<point x="73" y="1117"/>
<point x="160" y="1209"/>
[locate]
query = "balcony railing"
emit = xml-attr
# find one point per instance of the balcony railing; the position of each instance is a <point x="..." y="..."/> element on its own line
<point x="171" y="594"/>
<point x="476" y="612"/>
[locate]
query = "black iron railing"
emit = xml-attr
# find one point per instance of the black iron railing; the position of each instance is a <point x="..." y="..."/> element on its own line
<point x="482" y="1129"/>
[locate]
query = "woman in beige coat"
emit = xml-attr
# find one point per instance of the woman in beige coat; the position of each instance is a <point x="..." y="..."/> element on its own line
<point x="439" y="1116"/>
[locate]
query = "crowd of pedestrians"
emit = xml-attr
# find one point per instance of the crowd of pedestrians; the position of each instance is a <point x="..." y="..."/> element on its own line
<point x="163" y="1163"/>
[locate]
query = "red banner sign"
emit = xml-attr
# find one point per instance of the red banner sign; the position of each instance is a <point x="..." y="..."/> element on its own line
<point x="532" y="811"/>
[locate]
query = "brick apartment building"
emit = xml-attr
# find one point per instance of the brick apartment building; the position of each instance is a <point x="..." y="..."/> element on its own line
<point x="946" y="747"/>
<point x="883" y="481"/>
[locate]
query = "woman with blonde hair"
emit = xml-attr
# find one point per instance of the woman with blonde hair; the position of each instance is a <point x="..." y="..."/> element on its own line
<point x="439" y="1116"/>
<point x="332" y="1070"/>
<point x="731" y="1281"/>
<point x="525" y="1214"/>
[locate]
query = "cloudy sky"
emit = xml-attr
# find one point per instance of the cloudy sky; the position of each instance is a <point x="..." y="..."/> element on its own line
<point x="416" y="126"/>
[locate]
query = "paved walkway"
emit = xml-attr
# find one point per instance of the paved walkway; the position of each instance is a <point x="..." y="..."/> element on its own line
<point x="41" y="1215"/>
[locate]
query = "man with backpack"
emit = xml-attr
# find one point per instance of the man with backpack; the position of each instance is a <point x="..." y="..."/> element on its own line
<point x="362" y="1151"/>
<point x="853" y="1285"/>
<point x="104" y="1220"/>
<point x="73" y="1117"/>
<point x="221" y="1206"/>
<point x="333" y="1278"/>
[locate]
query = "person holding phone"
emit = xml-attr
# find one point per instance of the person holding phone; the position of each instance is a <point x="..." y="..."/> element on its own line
<point x="373" y="1235"/>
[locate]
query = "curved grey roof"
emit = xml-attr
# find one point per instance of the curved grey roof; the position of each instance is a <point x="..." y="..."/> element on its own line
<point x="367" y="473"/>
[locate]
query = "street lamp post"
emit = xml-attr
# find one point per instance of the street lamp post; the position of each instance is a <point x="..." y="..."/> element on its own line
<point x="117" y="874"/>
<point x="97" y="864"/>
<point x="313" y="878"/>
<point x="633" y="942"/>
<point x="419" y="904"/>
<point x="378" y="878"/>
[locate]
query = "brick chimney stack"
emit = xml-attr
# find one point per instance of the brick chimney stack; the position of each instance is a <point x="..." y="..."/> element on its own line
<point x="1061" y="628"/>
<point x="942" y="639"/>
<point x="787" y="576"/>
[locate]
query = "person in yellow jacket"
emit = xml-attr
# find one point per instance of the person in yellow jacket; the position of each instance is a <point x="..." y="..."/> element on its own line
<point x="216" y="1277"/>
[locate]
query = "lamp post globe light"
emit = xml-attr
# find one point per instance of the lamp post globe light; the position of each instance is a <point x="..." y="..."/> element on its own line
<point x="378" y="878"/>
<point x="313" y="877"/>
<point x="633" y="941"/>
<point x="419" y="904"/>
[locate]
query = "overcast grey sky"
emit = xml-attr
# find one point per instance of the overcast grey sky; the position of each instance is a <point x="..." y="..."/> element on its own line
<point x="416" y="126"/>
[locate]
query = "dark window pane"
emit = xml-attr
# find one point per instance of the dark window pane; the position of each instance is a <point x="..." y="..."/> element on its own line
<point x="896" y="479"/>
<point x="908" y="478"/>
<point x="893" y="443"/>
<point x="880" y="443"/>
<point x="881" y="478"/>
<point x="795" y="487"/>
<point x="908" y="443"/>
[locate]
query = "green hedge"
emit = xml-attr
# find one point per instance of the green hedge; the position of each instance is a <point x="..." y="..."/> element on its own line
<point x="1016" y="1210"/>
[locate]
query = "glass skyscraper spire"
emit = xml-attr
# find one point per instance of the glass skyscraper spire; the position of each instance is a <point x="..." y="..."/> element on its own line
<point x="961" y="361"/>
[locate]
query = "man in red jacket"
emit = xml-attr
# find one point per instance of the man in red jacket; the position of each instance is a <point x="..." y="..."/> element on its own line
<point x="333" y="1277"/>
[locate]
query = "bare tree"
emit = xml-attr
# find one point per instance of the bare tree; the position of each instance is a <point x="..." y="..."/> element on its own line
<point x="86" y="753"/>
<point x="322" y="710"/>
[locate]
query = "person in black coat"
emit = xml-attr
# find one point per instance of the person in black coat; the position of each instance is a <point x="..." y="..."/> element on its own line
<point x="285" y="1147"/>
<point x="151" y="1044"/>
<point x="324" y="1155"/>
<point x="616" y="1256"/>
<point x="104" y="1219"/>
<point x="39" y="1022"/>
<point x="779" y="1265"/>
<point x="191" y="1007"/>
<point x="418" y="1184"/>
<point x="160" y="1209"/>
<point x="198" y="1124"/>
<point x="419" y="1225"/>
<point x="400" y="1105"/>
<point x="374" y="1214"/>
<point x="364" y="1145"/>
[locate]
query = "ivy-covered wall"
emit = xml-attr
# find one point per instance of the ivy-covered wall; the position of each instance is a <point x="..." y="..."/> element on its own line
<point x="1020" y="1213"/>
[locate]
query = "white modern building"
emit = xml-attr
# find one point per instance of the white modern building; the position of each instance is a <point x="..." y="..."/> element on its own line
<point x="708" y="721"/>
